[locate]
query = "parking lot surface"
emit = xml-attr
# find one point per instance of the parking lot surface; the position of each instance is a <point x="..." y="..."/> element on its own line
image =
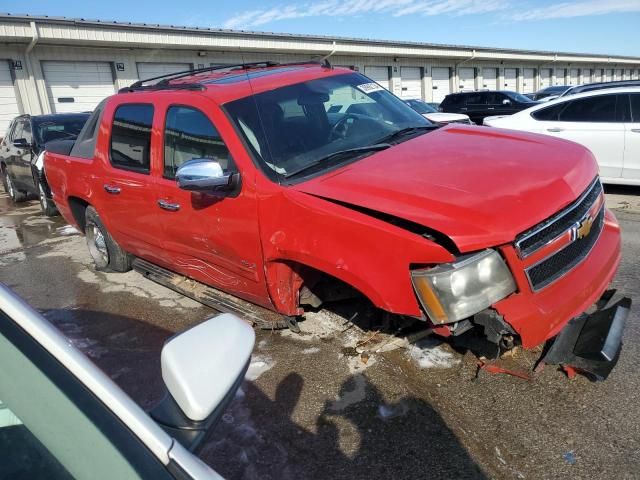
<point x="315" y="406"/>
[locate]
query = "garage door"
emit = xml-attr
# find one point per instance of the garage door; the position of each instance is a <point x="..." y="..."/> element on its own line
<point x="573" y="76"/>
<point x="511" y="79"/>
<point x="545" y="78"/>
<point x="8" y="101"/>
<point x="561" y="76"/>
<point x="77" y="86"/>
<point x="440" y="83"/>
<point x="150" y="70"/>
<point x="379" y="75"/>
<point x="490" y="78"/>
<point x="466" y="79"/>
<point x="608" y="75"/>
<point x="597" y="75"/>
<point x="411" y="82"/>
<point x="627" y="74"/>
<point x="528" y="82"/>
<point x="586" y="75"/>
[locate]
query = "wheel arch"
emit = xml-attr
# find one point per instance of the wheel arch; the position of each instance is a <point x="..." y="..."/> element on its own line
<point x="78" y="207"/>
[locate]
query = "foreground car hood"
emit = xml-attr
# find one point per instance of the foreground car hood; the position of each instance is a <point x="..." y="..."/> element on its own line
<point x="479" y="186"/>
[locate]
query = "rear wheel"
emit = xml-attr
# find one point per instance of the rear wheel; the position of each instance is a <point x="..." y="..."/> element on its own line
<point x="16" y="195"/>
<point x="46" y="204"/>
<point x="107" y="255"/>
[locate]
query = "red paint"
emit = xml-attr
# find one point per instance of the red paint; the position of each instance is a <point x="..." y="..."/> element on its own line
<point x="478" y="186"/>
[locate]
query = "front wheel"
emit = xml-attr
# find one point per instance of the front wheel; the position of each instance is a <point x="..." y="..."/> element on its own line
<point x="46" y="204"/>
<point x="107" y="255"/>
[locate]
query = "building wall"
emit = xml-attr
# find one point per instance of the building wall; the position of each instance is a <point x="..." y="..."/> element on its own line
<point x="123" y="50"/>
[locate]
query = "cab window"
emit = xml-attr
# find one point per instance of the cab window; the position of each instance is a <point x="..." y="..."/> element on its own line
<point x="189" y="134"/>
<point x="131" y="137"/>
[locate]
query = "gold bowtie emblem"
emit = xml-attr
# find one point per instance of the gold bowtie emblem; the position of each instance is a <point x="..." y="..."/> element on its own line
<point x="584" y="227"/>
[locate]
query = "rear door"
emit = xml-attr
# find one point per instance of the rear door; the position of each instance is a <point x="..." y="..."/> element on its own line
<point x="125" y="191"/>
<point x="476" y="106"/>
<point x="596" y="123"/>
<point x="213" y="238"/>
<point x="631" y="168"/>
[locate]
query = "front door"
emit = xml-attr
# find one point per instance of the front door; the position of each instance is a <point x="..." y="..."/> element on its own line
<point x="213" y="238"/>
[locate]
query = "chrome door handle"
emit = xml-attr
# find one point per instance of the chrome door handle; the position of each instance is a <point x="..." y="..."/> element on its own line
<point x="172" y="207"/>
<point x="635" y="130"/>
<point x="112" y="189"/>
<point x="555" y="129"/>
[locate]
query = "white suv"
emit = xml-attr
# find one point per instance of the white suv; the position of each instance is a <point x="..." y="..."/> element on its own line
<point x="605" y="121"/>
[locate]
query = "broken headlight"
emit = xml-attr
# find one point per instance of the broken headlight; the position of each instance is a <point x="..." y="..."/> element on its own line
<point x="454" y="291"/>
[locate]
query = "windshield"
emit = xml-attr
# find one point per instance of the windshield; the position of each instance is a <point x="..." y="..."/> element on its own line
<point x="518" y="97"/>
<point x="421" y="107"/>
<point x="297" y="126"/>
<point x="67" y="127"/>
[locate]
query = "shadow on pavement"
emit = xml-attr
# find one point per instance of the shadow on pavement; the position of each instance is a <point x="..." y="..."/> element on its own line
<point x="354" y="437"/>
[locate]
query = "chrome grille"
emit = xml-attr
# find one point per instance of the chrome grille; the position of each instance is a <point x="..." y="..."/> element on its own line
<point x="547" y="271"/>
<point x="550" y="229"/>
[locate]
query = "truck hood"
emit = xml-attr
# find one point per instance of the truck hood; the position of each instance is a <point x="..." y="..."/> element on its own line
<point x="479" y="186"/>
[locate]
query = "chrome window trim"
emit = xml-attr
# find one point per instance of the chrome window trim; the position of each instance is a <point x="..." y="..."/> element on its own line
<point x="548" y="282"/>
<point x="595" y="183"/>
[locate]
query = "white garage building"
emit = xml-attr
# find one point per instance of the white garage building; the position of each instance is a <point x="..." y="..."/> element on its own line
<point x="50" y="64"/>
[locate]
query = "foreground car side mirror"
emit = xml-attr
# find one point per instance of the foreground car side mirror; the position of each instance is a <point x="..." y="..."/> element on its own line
<point x="21" y="143"/>
<point x="205" y="175"/>
<point x="202" y="369"/>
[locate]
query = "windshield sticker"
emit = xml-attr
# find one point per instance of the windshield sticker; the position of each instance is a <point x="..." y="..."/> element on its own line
<point x="370" y="87"/>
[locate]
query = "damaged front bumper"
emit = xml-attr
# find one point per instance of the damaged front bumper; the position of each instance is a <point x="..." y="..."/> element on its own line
<point x="591" y="343"/>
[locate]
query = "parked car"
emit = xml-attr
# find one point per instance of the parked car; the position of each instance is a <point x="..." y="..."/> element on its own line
<point x="62" y="417"/>
<point x="434" y="116"/>
<point x="290" y="185"/>
<point x="600" y="86"/>
<point x="21" y="153"/>
<point x="607" y="122"/>
<point x="478" y="105"/>
<point x="549" y="93"/>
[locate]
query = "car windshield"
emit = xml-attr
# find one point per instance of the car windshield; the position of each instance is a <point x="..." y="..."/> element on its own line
<point x="518" y="97"/>
<point x="64" y="127"/>
<point x="421" y="107"/>
<point x="322" y="123"/>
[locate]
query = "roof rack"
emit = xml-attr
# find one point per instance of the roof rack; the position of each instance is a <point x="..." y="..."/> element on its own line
<point x="164" y="80"/>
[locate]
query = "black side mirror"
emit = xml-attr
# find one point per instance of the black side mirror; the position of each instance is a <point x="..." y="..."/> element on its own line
<point x="21" y="143"/>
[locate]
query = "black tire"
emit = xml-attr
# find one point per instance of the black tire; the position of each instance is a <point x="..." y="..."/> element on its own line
<point x="4" y="180"/>
<point x="46" y="204"/>
<point x="16" y="195"/>
<point x="107" y="255"/>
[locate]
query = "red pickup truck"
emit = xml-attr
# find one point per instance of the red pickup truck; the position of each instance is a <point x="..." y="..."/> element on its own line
<point x="282" y="183"/>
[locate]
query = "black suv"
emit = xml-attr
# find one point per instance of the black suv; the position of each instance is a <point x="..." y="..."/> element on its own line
<point x="478" y="105"/>
<point x="20" y="167"/>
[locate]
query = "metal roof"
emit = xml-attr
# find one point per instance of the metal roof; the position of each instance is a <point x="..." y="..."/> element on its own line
<point x="306" y="37"/>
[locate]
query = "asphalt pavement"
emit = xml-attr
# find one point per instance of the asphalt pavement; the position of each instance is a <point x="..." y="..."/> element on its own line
<point x="315" y="406"/>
